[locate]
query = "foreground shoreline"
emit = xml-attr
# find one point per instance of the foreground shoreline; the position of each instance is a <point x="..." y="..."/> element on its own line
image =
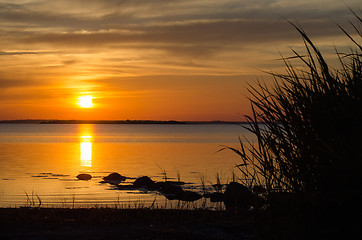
<point x="111" y="223"/>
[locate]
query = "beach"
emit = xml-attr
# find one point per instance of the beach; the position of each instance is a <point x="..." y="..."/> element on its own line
<point x="110" y="223"/>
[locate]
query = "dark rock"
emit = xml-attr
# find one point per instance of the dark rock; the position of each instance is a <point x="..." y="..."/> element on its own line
<point x="169" y="190"/>
<point x="259" y="189"/>
<point x="218" y="187"/>
<point x="207" y="195"/>
<point x="126" y="187"/>
<point x="144" y="182"/>
<point x="190" y="196"/>
<point x="176" y="182"/>
<point x="237" y="197"/>
<point x="84" y="176"/>
<point x="215" y="197"/>
<point x="114" y="178"/>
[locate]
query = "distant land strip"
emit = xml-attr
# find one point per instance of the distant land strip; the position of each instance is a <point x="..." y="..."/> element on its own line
<point x="43" y="121"/>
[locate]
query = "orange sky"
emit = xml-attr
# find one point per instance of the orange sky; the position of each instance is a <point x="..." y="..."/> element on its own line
<point x="160" y="60"/>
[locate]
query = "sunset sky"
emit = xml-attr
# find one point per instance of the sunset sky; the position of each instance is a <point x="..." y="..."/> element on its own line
<point x="142" y="59"/>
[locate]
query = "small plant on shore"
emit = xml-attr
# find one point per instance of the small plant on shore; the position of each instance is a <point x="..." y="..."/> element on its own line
<point x="73" y="200"/>
<point x="178" y="175"/>
<point x="31" y="202"/>
<point x="201" y="177"/>
<point x="163" y="172"/>
<point x="138" y="204"/>
<point x="218" y="185"/>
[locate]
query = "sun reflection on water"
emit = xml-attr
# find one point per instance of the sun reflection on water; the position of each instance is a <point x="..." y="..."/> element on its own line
<point x="86" y="151"/>
<point x="86" y="141"/>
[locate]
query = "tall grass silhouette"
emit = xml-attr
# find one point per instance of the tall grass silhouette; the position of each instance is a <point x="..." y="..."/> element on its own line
<point x="308" y="128"/>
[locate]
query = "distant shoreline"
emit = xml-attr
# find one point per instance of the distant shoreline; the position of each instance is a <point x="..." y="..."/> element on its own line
<point x="44" y="121"/>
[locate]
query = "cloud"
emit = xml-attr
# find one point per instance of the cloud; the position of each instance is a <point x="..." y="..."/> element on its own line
<point x="102" y="15"/>
<point x="180" y="27"/>
<point x="171" y="83"/>
<point x="16" y="53"/>
<point x="22" y="53"/>
<point x="220" y="32"/>
<point x="144" y="47"/>
<point x="8" y="82"/>
<point x="190" y="39"/>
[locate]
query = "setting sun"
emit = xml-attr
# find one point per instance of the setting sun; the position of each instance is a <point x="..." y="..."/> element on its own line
<point x="85" y="101"/>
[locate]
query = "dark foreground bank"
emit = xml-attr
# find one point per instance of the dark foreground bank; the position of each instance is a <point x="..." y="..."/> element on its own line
<point x="107" y="223"/>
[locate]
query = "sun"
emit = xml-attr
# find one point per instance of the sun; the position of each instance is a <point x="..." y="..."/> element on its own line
<point x="85" y="101"/>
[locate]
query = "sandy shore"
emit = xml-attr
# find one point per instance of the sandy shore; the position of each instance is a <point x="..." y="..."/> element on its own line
<point x="107" y="223"/>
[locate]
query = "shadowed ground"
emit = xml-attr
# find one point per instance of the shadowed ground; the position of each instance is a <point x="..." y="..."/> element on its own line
<point x="107" y="223"/>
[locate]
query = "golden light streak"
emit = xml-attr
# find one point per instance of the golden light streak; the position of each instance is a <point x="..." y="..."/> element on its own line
<point x="86" y="151"/>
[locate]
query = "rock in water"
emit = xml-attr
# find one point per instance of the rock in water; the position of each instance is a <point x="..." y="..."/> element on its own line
<point x="114" y="178"/>
<point x="145" y="182"/>
<point x="259" y="189"/>
<point x="169" y="190"/>
<point x="84" y="176"/>
<point x="190" y="196"/>
<point x="237" y="197"/>
<point x="215" y="197"/>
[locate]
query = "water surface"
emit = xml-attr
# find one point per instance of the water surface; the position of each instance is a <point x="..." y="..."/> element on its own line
<point x="43" y="160"/>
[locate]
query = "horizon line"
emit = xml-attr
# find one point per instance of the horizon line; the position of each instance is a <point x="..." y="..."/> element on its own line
<point x="123" y="121"/>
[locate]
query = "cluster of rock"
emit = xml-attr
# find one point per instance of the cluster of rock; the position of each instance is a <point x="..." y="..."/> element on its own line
<point x="235" y="197"/>
<point x="170" y="189"/>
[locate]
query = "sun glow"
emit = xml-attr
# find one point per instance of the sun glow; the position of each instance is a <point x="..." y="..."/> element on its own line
<point x="85" y="101"/>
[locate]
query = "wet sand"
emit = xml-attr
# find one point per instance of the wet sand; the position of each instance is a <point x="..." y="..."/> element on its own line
<point x="108" y="223"/>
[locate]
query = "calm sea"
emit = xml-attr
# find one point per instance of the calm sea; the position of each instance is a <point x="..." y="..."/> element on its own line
<point x="41" y="161"/>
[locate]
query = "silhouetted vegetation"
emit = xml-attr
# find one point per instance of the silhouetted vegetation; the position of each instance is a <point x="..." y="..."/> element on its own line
<point x="308" y="151"/>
